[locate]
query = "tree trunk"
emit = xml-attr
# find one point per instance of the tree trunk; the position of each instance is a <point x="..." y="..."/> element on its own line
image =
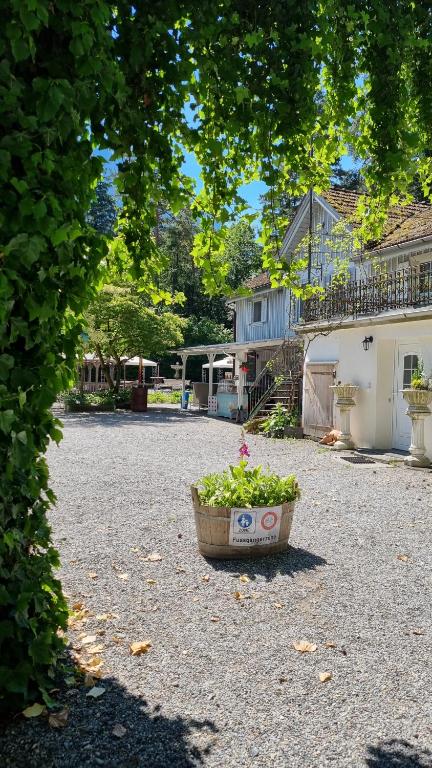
<point x="82" y="376"/>
<point x="118" y="373"/>
<point x="105" y="367"/>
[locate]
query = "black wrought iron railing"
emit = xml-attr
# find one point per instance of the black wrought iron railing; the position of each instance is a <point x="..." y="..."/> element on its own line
<point x="406" y="288"/>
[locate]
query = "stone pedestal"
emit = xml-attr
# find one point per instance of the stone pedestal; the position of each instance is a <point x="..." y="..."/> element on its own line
<point x="345" y="401"/>
<point x="418" y="410"/>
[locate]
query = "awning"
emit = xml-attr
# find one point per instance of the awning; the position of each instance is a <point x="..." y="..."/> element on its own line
<point x="136" y="361"/>
<point x="227" y="362"/>
<point x="230" y="348"/>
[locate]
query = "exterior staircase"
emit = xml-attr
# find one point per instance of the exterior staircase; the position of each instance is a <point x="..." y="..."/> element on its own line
<point x="278" y="382"/>
<point x="279" y="394"/>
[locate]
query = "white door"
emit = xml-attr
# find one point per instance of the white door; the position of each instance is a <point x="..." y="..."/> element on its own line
<point x="407" y="360"/>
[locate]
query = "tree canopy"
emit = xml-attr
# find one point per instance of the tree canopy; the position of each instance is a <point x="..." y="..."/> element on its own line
<point x="273" y="88"/>
<point x="119" y="324"/>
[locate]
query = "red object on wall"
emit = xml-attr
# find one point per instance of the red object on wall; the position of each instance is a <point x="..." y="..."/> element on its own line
<point x="244" y="368"/>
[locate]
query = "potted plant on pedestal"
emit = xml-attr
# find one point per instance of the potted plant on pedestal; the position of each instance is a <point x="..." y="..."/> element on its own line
<point x="345" y="402"/>
<point x="418" y="397"/>
<point x="244" y="512"/>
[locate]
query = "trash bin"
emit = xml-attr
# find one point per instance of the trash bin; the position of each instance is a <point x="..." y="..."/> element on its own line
<point x="139" y="398"/>
<point x="185" y="400"/>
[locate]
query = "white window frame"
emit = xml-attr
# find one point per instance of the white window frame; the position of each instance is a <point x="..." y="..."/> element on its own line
<point x="263" y="302"/>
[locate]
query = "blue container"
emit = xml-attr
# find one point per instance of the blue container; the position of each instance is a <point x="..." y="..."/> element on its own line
<point x="185" y="400"/>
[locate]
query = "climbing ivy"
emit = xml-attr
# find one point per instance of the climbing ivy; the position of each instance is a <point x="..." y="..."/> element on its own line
<point x="274" y="90"/>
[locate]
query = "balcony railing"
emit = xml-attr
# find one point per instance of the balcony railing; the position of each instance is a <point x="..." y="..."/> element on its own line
<point x="407" y="288"/>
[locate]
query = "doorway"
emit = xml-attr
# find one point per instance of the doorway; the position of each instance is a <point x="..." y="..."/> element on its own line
<point x="406" y="361"/>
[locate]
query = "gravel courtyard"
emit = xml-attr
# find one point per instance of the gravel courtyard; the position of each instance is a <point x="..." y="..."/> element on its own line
<point x="222" y="685"/>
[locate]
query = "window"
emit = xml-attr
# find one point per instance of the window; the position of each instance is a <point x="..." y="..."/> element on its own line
<point x="410" y="364"/>
<point x="257" y="312"/>
<point x="426" y="276"/>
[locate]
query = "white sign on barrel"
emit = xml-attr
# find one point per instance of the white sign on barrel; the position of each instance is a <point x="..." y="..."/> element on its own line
<point x="250" y="527"/>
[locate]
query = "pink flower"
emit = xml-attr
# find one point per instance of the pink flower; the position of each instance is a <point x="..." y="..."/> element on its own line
<point x="244" y="450"/>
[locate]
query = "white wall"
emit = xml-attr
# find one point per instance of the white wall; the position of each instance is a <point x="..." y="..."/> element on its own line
<point x="374" y="372"/>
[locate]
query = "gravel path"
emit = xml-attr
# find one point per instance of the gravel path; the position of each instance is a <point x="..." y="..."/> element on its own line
<point x="234" y="692"/>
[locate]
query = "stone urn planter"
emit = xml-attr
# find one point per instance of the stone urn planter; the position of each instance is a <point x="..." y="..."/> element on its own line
<point x="418" y="410"/>
<point x="230" y="533"/>
<point x="345" y="402"/>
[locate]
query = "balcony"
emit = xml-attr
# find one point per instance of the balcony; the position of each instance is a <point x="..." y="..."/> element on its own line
<point x="380" y="293"/>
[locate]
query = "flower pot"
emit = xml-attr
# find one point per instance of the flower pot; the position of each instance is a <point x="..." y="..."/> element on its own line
<point x="345" y="401"/>
<point x="139" y="398"/>
<point x="417" y="398"/>
<point x="418" y="410"/>
<point x="228" y="533"/>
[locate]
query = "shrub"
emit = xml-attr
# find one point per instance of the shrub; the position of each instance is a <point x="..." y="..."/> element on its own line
<point x="241" y="487"/>
<point x="75" y="401"/>
<point x="164" y="397"/>
<point x="279" y="418"/>
<point x="245" y="488"/>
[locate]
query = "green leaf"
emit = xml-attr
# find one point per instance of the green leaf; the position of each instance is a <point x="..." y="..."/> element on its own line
<point x="6" y="420"/>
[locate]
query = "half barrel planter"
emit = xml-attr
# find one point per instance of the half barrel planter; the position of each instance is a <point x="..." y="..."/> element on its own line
<point x="220" y="534"/>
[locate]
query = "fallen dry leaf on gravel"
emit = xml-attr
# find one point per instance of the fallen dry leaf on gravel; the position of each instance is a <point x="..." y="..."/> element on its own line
<point x="77" y="606"/>
<point x="214" y="618"/>
<point x="179" y="569"/>
<point x="59" y="719"/>
<point x="117" y="640"/>
<point x="403" y="558"/>
<point x="89" y="680"/>
<point x="34" y="711"/>
<point x="154" y="557"/>
<point x="94" y="663"/>
<point x="244" y="579"/>
<point x="418" y="631"/>
<point x="239" y="595"/>
<point x="88" y="640"/>
<point x="151" y="581"/>
<point x="119" y="730"/>
<point x="325" y="677"/>
<point x="123" y="576"/>
<point x="302" y="646"/>
<point x="92" y="575"/>
<point x="206" y="577"/>
<point x="137" y="649"/>
<point x="279" y="605"/>
<point x="329" y="644"/>
<point x="96" y="692"/>
<point x="95" y="648"/>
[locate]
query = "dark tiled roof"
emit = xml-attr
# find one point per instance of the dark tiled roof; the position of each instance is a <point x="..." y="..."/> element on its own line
<point x="259" y="281"/>
<point x="404" y="222"/>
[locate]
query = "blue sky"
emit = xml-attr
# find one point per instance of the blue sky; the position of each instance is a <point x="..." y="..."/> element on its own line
<point x="251" y="192"/>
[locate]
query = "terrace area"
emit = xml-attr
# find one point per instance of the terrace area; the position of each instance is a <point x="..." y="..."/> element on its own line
<point x="407" y="288"/>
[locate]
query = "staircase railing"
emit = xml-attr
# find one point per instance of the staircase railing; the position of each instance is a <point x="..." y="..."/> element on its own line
<point x="286" y="363"/>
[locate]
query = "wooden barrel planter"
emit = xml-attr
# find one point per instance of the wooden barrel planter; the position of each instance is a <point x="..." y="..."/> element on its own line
<point x="220" y="534"/>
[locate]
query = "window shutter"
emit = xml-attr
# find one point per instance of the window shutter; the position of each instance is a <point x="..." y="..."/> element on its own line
<point x="264" y="311"/>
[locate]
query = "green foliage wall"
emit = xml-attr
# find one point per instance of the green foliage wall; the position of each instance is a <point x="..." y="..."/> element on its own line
<point x="77" y="75"/>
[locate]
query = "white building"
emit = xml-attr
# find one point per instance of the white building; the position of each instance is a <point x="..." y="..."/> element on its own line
<point x="372" y="332"/>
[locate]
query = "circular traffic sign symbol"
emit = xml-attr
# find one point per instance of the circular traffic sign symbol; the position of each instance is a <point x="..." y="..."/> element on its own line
<point x="245" y="520"/>
<point x="269" y="520"/>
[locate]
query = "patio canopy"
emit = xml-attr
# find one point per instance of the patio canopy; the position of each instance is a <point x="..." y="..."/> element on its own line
<point x="227" y="362"/>
<point x="92" y="357"/>
<point x="136" y="361"/>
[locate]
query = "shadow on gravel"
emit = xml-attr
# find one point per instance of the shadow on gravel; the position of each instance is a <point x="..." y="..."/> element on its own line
<point x="397" y="753"/>
<point x="160" y="416"/>
<point x="151" y="740"/>
<point x="294" y="560"/>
